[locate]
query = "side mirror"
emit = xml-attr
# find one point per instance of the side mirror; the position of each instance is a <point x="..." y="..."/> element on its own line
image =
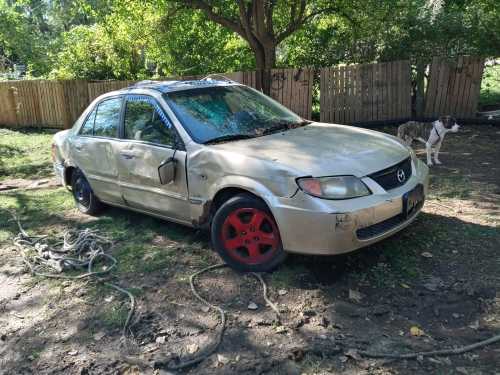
<point x="166" y="171"/>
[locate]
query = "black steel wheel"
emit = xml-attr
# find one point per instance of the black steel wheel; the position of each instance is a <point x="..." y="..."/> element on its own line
<point x="85" y="199"/>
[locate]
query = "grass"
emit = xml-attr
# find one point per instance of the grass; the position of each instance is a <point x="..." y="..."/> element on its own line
<point x="25" y="154"/>
<point x="51" y="211"/>
<point x="451" y="186"/>
<point x="145" y="245"/>
<point x="490" y="87"/>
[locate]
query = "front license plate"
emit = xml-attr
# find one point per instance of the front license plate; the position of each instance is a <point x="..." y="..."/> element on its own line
<point x="412" y="199"/>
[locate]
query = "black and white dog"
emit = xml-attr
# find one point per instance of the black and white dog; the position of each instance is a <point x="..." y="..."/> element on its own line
<point x="431" y="134"/>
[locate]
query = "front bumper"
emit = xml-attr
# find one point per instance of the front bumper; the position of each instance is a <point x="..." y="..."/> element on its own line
<point x="311" y="225"/>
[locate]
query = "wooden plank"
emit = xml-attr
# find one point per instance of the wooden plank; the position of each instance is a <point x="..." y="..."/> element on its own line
<point x="8" y="113"/>
<point x="342" y="96"/>
<point x="476" y="86"/>
<point x="462" y="96"/>
<point x="375" y="91"/>
<point x="349" y="95"/>
<point x="330" y="98"/>
<point x="359" y="90"/>
<point x="326" y="93"/>
<point x="365" y="82"/>
<point x="288" y="86"/>
<point x="407" y="89"/>
<point x="385" y="90"/>
<point x="443" y="77"/>
<point x="339" y="96"/>
<point x="309" y="91"/>
<point x="453" y="92"/>
<point x="333" y="94"/>
<point x="389" y="90"/>
<point x="467" y="73"/>
<point x="430" y="96"/>
<point x="322" y="94"/>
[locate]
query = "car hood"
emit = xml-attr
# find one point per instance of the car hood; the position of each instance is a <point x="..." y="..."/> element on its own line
<point x="324" y="150"/>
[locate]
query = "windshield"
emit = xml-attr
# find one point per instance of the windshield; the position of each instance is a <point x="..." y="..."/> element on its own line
<point x="229" y="112"/>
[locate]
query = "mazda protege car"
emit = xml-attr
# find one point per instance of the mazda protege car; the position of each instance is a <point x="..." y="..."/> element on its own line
<point x="217" y="154"/>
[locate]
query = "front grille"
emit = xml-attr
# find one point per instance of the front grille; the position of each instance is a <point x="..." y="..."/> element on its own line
<point x="388" y="178"/>
<point x="386" y="225"/>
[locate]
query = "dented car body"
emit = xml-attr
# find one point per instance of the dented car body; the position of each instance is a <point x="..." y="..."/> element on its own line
<point x="327" y="189"/>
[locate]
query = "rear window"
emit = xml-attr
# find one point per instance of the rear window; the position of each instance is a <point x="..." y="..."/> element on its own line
<point x="88" y="126"/>
<point x="107" y="118"/>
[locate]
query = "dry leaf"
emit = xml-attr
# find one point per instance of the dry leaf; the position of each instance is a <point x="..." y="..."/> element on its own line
<point x="222" y="359"/>
<point x="353" y="353"/>
<point x="406" y="286"/>
<point x="426" y="254"/>
<point x="415" y="331"/>
<point x="252" y="306"/>
<point x="354" y="295"/>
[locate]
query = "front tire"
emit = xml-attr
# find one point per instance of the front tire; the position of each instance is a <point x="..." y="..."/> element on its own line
<point x="85" y="199"/>
<point x="246" y="236"/>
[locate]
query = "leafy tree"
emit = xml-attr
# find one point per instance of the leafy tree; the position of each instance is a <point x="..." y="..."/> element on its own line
<point x="264" y="24"/>
<point x="191" y="44"/>
<point x="19" y="40"/>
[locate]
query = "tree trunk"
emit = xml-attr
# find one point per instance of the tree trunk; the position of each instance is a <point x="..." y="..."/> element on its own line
<point x="265" y="58"/>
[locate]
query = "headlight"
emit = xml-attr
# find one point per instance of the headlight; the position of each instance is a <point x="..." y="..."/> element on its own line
<point x="340" y="187"/>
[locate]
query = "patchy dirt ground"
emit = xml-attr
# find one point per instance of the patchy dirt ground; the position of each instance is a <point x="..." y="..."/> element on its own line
<point x="441" y="275"/>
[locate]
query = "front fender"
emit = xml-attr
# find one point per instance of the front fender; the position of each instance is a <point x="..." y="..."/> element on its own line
<point x="200" y="208"/>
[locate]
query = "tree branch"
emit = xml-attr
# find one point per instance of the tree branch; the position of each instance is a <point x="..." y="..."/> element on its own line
<point x="295" y="20"/>
<point x="301" y="20"/>
<point x="212" y="15"/>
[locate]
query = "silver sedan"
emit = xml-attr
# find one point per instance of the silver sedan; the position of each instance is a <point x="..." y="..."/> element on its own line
<point x="220" y="155"/>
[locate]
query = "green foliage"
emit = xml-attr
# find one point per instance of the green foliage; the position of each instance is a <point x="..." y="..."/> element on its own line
<point x="19" y="39"/>
<point x="397" y="29"/>
<point x="103" y="39"/>
<point x="490" y="87"/>
<point x="190" y="44"/>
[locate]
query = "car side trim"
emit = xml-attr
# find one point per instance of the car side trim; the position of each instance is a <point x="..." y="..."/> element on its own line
<point x="158" y="191"/>
<point x="152" y="213"/>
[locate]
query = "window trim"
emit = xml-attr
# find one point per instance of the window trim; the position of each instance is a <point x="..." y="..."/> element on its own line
<point x="178" y="142"/>
<point x="96" y="108"/>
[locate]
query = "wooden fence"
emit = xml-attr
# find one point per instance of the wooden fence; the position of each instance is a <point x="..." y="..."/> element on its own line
<point x="367" y="92"/>
<point x="453" y="86"/>
<point x="348" y="94"/>
<point x="58" y="104"/>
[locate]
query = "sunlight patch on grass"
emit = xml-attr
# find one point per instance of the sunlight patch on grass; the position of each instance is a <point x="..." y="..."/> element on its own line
<point x="25" y="154"/>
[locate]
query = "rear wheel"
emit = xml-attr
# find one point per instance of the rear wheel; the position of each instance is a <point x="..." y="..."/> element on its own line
<point x="85" y="199"/>
<point x="246" y="236"/>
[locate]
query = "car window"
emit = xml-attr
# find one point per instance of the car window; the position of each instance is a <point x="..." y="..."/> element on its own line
<point x="145" y="121"/>
<point x="88" y="126"/>
<point x="107" y="118"/>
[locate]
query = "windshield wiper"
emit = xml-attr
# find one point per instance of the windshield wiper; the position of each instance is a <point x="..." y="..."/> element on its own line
<point x="228" y="138"/>
<point x="285" y="125"/>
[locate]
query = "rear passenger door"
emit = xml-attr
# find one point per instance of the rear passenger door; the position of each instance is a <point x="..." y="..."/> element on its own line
<point x="93" y="149"/>
<point x="148" y="140"/>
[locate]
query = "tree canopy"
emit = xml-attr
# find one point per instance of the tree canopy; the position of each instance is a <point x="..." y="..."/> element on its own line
<point x="125" y="39"/>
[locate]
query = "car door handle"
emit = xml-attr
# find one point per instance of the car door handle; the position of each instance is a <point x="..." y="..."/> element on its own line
<point x="78" y="147"/>
<point x="128" y="154"/>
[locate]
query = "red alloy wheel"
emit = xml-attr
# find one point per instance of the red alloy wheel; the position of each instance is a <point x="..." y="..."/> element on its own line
<point x="250" y="236"/>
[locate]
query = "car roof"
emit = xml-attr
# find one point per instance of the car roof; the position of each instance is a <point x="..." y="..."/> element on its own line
<point x="171" y="86"/>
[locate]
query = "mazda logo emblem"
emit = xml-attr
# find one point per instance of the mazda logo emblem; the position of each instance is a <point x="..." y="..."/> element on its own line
<point x="401" y="175"/>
